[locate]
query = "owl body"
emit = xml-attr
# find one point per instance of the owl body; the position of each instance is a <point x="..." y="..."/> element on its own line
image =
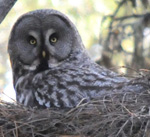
<point x="51" y="67"/>
<point x="66" y="85"/>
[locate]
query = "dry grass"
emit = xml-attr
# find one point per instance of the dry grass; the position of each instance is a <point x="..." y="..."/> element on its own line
<point x="115" y="115"/>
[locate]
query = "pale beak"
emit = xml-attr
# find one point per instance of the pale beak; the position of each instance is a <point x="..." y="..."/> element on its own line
<point x="43" y="54"/>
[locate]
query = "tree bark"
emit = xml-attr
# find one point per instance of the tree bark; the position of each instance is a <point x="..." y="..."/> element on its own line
<point x="5" y="6"/>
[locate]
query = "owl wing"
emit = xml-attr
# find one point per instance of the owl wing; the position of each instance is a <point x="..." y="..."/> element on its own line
<point x="61" y="87"/>
<point x="67" y="87"/>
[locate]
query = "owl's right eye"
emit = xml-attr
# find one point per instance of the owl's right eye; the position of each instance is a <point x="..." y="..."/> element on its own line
<point x="32" y="40"/>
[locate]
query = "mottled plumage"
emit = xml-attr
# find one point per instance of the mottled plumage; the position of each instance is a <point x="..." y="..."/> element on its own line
<point x="51" y="67"/>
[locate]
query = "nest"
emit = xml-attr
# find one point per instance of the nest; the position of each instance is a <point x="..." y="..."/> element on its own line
<point x="113" y="115"/>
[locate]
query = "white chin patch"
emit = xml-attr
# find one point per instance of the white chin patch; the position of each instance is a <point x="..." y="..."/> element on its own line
<point x="33" y="66"/>
<point x="27" y="67"/>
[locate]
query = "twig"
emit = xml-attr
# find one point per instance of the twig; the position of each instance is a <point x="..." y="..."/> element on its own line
<point x="122" y="128"/>
<point x="27" y="123"/>
<point x="9" y="97"/>
<point x="16" y="129"/>
<point x="1" y="131"/>
<point x="32" y="132"/>
<point x="14" y="133"/>
<point x="130" y="16"/>
<point x="146" y="130"/>
<point x="81" y="101"/>
<point x="132" y="114"/>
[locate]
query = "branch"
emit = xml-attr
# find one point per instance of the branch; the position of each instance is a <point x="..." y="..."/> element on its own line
<point x="5" y="6"/>
<point x="130" y="16"/>
<point x="111" y="23"/>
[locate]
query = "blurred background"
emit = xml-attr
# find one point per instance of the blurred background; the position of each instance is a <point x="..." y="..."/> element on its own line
<point x="116" y="33"/>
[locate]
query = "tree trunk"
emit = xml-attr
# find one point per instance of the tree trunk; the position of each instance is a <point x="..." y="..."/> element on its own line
<point x="5" y="6"/>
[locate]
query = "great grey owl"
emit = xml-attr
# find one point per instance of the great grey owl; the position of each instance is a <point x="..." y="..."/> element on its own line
<point x="50" y="65"/>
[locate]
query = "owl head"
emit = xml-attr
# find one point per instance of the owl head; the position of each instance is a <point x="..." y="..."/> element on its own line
<point x="41" y="40"/>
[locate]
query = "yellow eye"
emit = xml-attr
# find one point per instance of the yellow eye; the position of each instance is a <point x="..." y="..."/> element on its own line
<point x="53" y="39"/>
<point x="32" y="41"/>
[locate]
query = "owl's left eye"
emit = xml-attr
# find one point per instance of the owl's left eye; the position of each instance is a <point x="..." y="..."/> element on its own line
<point x="53" y="38"/>
<point x="32" y="40"/>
